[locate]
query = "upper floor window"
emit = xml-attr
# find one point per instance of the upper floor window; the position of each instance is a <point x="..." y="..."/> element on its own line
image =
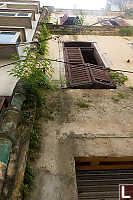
<point x="84" y="66"/>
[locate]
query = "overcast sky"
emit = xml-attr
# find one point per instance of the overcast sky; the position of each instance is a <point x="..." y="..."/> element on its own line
<point x="82" y="4"/>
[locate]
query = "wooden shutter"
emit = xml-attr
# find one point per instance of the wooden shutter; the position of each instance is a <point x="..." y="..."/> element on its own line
<point x="84" y="75"/>
<point x="102" y="185"/>
<point x="100" y="77"/>
<point x="77" y="74"/>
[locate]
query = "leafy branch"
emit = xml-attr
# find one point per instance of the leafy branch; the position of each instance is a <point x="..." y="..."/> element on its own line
<point x="33" y="69"/>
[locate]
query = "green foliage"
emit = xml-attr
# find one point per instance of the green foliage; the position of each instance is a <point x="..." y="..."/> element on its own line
<point x="82" y="103"/>
<point x="35" y="72"/>
<point x="123" y="96"/>
<point x="126" y="31"/>
<point x="30" y="115"/>
<point x="119" y="78"/>
<point x="28" y="181"/>
<point x="33" y="69"/>
<point x="44" y="35"/>
<point x="120" y="96"/>
<point x="79" y="20"/>
<point x="131" y="87"/>
<point x="35" y="143"/>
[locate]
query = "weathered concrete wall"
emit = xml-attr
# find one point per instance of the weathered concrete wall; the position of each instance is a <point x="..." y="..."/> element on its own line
<point x="103" y="129"/>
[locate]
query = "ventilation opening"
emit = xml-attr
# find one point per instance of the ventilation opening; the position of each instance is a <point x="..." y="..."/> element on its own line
<point x="99" y="178"/>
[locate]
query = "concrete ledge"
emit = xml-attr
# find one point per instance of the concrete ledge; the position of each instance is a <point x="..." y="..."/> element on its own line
<point x="16" y="21"/>
<point x="19" y="11"/>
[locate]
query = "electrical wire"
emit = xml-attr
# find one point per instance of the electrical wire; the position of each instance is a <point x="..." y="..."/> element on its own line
<point x="59" y="61"/>
<point x="25" y="43"/>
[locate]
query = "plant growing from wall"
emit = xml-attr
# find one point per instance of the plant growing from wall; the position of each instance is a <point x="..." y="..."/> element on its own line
<point x="44" y="34"/>
<point x="79" y="20"/>
<point x="31" y="112"/>
<point x="33" y="69"/>
<point x="119" y="78"/>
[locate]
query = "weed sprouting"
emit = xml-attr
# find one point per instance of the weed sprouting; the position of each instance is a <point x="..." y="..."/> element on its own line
<point x="82" y="103"/>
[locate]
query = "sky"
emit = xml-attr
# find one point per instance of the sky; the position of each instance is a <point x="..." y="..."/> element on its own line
<point x="79" y="4"/>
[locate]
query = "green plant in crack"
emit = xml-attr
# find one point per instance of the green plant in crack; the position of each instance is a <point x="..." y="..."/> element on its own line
<point x="44" y="35"/>
<point x="123" y="96"/>
<point x="35" y="143"/>
<point x="30" y="116"/>
<point x="82" y="103"/>
<point x="120" y="96"/>
<point x="33" y="69"/>
<point x="28" y="184"/>
<point x="131" y="87"/>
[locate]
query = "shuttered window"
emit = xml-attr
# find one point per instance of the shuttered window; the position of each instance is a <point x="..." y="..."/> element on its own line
<point x="83" y="68"/>
<point x="99" y="178"/>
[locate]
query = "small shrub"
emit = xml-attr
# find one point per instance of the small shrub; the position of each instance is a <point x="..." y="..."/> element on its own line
<point x="79" y="20"/>
<point x="82" y="104"/>
<point x="131" y="87"/>
<point x="33" y="70"/>
<point x="126" y="31"/>
<point x="119" y="78"/>
<point x="120" y="95"/>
